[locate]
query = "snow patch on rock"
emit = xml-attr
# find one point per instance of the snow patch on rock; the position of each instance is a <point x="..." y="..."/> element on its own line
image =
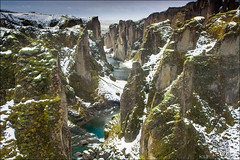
<point x="204" y="44"/>
<point x="109" y="89"/>
<point x="153" y="62"/>
<point x="8" y="52"/>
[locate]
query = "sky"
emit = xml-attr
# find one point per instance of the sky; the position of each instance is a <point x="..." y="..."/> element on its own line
<point x="105" y="10"/>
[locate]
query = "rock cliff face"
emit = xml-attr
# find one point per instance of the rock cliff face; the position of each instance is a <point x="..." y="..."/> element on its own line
<point x="129" y="32"/>
<point x="94" y="25"/>
<point x="39" y="113"/>
<point x="50" y="68"/>
<point x="189" y="89"/>
<point x="132" y="104"/>
<point x="110" y="37"/>
<point x="199" y="91"/>
<point x="193" y="102"/>
<point x="40" y="110"/>
<point x="82" y="78"/>
<point x="155" y="37"/>
<point x="179" y="15"/>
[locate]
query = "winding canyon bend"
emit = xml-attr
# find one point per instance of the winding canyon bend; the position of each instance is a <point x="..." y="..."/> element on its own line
<point x="164" y="87"/>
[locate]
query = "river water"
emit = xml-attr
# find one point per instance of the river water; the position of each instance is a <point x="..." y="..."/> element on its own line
<point x="95" y="127"/>
<point x="120" y="71"/>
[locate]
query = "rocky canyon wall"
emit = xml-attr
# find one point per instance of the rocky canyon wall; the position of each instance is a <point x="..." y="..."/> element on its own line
<point x="48" y="68"/>
<point x="183" y="92"/>
<point x="127" y="35"/>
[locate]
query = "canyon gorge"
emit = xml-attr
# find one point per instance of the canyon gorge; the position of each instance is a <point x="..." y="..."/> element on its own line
<point x="163" y="87"/>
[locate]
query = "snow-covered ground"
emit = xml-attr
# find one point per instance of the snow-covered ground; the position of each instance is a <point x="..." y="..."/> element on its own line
<point x="68" y="60"/>
<point x="5" y="108"/>
<point x="224" y="144"/>
<point x="110" y="89"/>
<point x="205" y="42"/>
<point x="106" y="50"/>
<point x="39" y="18"/>
<point x="8" y="138"/>
<point x="129" y="148"/>
<point x="127" y="64"/>
<point x="86" y="104"/>
<point x="199" y="18"/>
<point x="153" y="62"/>
<point x="6" y="52"/>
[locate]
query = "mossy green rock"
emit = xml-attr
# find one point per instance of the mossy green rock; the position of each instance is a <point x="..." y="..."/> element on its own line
<point x="154" y="38"/>
<point x="170" y="130"/>
<point x="84" y="76"/>
<point x="39" y="115"/>
<point x="131" y="103"/>
<point x="28" y="51"/>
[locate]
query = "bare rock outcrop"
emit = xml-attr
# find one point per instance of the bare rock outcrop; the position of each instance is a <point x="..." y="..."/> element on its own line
<point x="128" y="33"/>
<point x="110" y="38"/>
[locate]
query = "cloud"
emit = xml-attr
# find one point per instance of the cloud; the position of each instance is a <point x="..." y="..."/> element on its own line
<point x="24" y="7"/>
<point x="111" y="10"/>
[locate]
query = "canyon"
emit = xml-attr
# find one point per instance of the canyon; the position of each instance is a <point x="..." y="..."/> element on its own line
<point x="165" y="87"/>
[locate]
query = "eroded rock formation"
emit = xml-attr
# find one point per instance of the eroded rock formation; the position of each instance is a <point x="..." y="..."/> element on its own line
<point x="48" y="69"/>
<point x="132" y="104"/>
<point x="129" y="32"/>
<point x="191" y="90"/>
